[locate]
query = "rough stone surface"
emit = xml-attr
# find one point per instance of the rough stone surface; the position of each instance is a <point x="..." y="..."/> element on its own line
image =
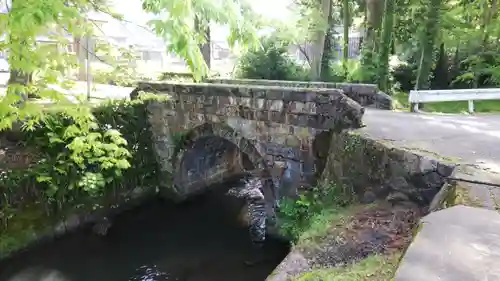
<point x="365" y="94"/>
<point x="405" y="158"/>
<point x="458" y="243"/>
<point x="384" y="170"/>
<point x="471" y="141"/>
<point x="268" y="126"/>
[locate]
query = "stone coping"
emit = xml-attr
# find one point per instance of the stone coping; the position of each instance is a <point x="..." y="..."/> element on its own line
<point x="365" y="94"/>
<point x="243" y="91"/>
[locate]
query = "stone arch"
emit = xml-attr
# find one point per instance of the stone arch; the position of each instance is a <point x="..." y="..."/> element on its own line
<point x="224" y="132"/>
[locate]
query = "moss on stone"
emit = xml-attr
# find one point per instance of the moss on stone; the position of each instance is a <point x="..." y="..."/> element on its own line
<point x="25" y="227"/>
<point x="32" y="222"/>
<point x="441" y="158"/>
<point x="372" y="268"/>
<point x="462" y="196"/>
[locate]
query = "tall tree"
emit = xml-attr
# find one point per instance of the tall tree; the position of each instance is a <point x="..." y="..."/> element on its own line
<point x="205" y="47"/>
<point x="386" y="45"/>
<point x="427" y="43"/>
<point x="369" y="57"/>
<point x="318" y="43"/>
<point x="328" y="48"/>
<point x="346" y="26"/>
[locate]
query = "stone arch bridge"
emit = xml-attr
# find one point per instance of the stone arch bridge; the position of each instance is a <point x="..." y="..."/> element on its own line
<point x="207" y="133"/>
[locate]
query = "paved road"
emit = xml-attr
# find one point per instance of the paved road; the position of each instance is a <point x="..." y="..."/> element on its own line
<point x="473" y="141"/>
<point x="470" y="139"/>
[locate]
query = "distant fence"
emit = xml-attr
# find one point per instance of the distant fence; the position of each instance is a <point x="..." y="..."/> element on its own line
<point x="469" y="95"/>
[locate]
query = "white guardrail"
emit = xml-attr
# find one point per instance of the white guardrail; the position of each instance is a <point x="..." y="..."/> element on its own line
<point x="469" y="95"/>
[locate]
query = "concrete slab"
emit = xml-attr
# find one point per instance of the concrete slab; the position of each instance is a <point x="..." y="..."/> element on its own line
<point x="456" y="244"/>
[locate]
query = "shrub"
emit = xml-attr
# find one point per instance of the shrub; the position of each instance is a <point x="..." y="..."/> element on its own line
<point x="78" y="159"/>
<point x="272" y="62"/>
<point x="296" y="216"/>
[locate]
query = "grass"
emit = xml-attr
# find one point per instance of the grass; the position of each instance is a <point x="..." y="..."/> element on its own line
<point x="373" y="268"/>
<point x="22" y="229"/>
<point x="322" y="222"/>
<point x="312" y="221"/>
<point x="401" y="103"/>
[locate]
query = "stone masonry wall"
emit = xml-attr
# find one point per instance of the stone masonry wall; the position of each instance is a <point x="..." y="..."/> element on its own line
<point x="376" y="169"/>
<point x="365" y="94"/>
<point x="268" y="124"/>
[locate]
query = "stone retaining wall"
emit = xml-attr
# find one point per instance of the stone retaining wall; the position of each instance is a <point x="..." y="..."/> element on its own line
<point x="375" y="168"/>
<point x="378" y="169"/>
<point x="365" y="94"/>
<point x="76" y="217"/>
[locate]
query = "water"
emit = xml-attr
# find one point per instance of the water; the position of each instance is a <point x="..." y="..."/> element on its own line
<point x="198" y="240"/>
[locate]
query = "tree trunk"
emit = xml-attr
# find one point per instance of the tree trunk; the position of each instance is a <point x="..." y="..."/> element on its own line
<point x="428" y="39"/>
<point x="345" y="47"/>
<point x="489" y="14"/>
<point x="205" y="48"/>
<point x="375" y="15"/>
<point x="18" y="76"/>
<point x="328" y="51"/>
<point x="82" y="51"/>
<point x="386" y="45"/>
<point x="374" y="12"/>
<point x="319" y="41"/>
<point x="440" y="80"/>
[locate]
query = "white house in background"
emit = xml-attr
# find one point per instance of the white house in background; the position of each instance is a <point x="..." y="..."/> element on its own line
<point x="43" y="39"/>
<point x="150" y="50"/>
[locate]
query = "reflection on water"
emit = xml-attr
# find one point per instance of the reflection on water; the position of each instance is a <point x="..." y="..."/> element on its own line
<point x="151" y="273"/>
<point x="198" y="240"/>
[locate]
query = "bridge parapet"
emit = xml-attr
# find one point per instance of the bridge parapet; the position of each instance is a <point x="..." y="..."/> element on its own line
<point x="268" y="124"/>
<point x="365" y="94"/>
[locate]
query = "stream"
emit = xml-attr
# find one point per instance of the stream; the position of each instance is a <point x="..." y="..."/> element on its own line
<point x="200" y="239"/>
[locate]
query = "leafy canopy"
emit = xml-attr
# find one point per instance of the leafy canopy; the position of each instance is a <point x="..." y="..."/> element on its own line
<point x="175" y="24"/>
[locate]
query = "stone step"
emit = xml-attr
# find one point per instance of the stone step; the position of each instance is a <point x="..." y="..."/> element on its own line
<point x="458" y="243"/>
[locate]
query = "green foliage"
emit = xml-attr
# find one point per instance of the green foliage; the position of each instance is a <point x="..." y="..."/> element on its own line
<point x="271" y="62"/>
<point x="120" y="69"/>
<point x="354" y="72"/>
<point x="85" y="158"/>
<point x="176" y="25"/>
<point x="477" y="70"/>
<point x="25" y="21"/>
<point x="480" y="69"/>
<point x="298" y="215"/>
<point x="77" y="154"/>
<point x="368" y="72"/>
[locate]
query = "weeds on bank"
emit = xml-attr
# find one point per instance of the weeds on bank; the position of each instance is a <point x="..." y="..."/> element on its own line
<point x="373" y="268"/>
<point x="311" y="214"/>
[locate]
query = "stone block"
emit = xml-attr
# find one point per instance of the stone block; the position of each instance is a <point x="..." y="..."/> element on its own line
<point x="261" y="121"/>
<point x="458" y="243"/>
<point x="365" y="94"/>
<point x="389" y="172"/>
